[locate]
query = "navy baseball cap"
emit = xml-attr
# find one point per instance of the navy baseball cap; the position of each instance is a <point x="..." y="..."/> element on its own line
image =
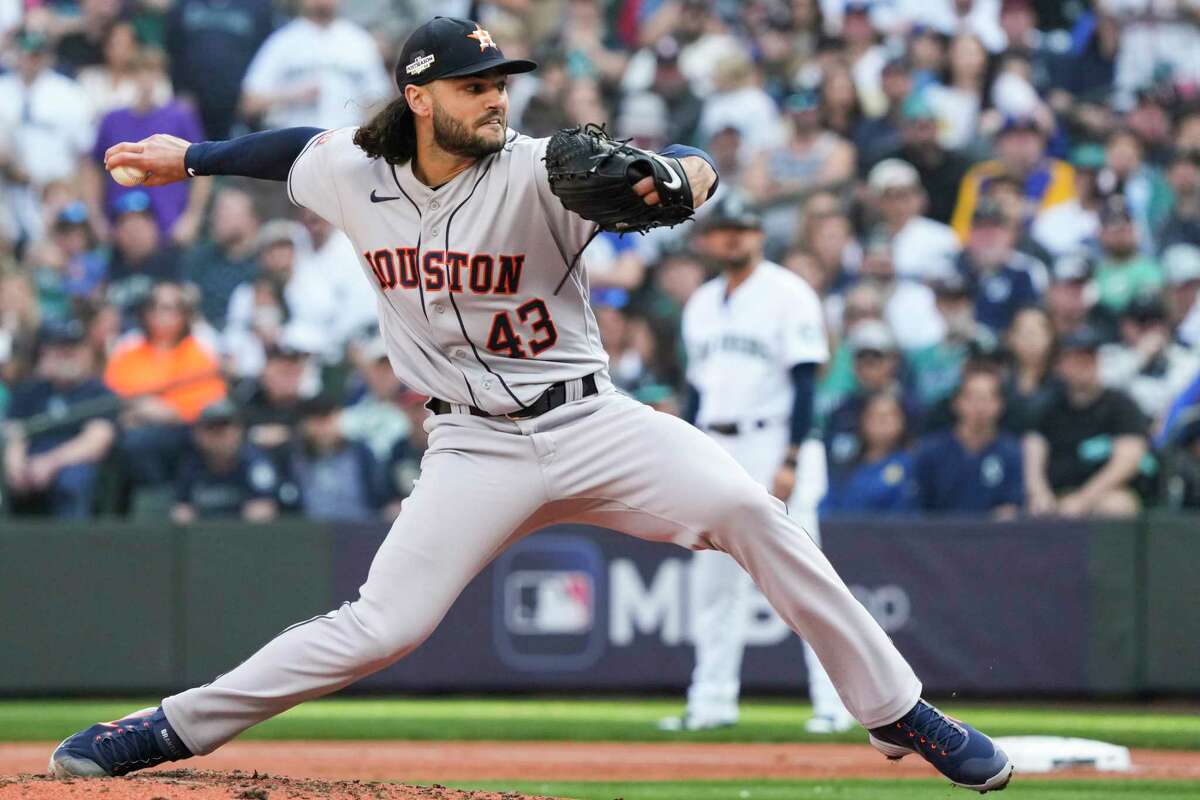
<point x="733" y="211"/>
<point x="447" y="47"/>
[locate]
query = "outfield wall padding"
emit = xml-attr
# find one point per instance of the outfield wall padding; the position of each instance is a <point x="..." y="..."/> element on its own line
<point x="979" y="607"/>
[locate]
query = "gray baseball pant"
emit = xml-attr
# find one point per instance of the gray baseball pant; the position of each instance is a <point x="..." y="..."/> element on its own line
<point x="605" y="460"/>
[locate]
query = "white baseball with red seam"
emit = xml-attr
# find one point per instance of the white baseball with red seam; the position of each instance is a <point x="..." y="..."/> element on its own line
<point x="128" y="176"/>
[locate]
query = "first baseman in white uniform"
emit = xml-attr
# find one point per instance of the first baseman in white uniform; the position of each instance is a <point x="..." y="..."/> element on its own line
<point x="465" y="244"/>
<point x="754" y="337"/>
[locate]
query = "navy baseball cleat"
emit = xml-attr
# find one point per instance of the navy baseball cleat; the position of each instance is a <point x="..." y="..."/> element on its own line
<point x="142" y="739"/>
<point x="964" y="755"/>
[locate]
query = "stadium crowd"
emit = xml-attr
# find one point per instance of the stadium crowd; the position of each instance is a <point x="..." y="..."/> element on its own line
<point x="998" y="202"/>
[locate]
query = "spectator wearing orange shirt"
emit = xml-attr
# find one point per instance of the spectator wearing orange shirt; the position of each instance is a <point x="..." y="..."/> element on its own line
<point x="166" y="378"/>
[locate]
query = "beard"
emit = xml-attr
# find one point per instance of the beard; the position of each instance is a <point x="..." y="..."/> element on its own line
<point x="454" y="137"/>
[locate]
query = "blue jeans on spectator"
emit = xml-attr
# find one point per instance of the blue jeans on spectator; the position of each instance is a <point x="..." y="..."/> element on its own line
<point x="70" y="495"/>
<point x="152" y="452"/>
<point x="73" y="491"/>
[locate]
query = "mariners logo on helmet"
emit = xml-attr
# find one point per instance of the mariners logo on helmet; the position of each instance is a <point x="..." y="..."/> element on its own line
<point x="484" y="38"/>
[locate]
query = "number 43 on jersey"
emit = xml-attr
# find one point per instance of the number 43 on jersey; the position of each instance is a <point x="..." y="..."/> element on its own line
<point x="504" y="339"/>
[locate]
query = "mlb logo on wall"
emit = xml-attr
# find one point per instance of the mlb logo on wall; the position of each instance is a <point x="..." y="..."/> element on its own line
<point x="547" y="601"/>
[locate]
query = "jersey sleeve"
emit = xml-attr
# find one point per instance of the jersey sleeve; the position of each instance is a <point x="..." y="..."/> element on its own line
<point x="804" y="339"/>
<point x="312" y="180"/>
<point x="570" y="230"/>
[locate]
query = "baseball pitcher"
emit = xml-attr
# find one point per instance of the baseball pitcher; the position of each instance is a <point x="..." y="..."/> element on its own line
<point x="470" y="235"/>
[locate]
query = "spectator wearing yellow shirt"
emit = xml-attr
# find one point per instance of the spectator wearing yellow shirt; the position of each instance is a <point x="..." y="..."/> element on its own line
<point x="1020" y="153"/>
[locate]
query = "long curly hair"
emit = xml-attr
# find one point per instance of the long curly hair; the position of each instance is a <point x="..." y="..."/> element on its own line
<point x="390" y="134"/>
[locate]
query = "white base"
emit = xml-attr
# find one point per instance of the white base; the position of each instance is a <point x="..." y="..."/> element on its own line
<point x="1050" y="753"/>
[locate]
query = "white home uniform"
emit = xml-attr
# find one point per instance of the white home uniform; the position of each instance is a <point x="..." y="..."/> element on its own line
<point x="741" y="348"/>
<point x="466" y="277"/>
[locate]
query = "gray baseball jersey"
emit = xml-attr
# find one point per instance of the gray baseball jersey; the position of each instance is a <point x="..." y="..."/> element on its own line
<point x="466" y="277"/>
<point x="463" y="321"/>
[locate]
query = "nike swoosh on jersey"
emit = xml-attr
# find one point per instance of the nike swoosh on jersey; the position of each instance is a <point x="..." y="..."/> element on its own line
<point x="675" y="181"/>
<point x="377" y="199"/>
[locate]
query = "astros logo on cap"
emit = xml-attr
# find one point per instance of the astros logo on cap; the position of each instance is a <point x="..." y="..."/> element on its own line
<point x="483" y="37"/>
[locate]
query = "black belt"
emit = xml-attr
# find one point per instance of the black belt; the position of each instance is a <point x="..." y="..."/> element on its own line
<point x="552" y="398"/>
<point x="733" y="428"/>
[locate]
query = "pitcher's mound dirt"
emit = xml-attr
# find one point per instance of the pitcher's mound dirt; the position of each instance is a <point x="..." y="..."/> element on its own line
<point x="189" y="784"/>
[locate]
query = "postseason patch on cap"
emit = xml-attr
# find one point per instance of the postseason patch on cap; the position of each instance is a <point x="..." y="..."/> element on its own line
<point x="419" y="64"/>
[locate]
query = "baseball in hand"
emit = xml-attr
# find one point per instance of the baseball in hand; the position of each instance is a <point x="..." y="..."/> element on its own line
<point x="127" y="176"/>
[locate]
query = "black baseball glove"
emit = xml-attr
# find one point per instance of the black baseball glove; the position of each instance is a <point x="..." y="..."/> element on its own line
<point x="593" y="175"/>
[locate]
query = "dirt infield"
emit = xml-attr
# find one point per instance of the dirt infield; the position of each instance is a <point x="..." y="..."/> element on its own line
<point x="321" y="769"/>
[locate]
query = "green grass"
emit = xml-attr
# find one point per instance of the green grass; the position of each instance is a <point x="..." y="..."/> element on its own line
<point x="600" y="720"/>
<point x="846" y="790"/>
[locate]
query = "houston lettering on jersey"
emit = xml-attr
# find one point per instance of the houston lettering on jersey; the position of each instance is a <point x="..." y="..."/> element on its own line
<point x="435" y="270"/>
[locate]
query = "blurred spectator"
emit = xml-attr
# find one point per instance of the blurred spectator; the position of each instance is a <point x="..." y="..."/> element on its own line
<point x="545" y="112"/>
<point x="1074" y="226"/>
<point x="829" y="237"/>
<point x="227" y="256"/>
<point x="981" y="18"/>
<point x="45" y="126"/>
<point x="1124" y="272"/>
<point x="1182" y="225"/>
<point x="942" y="171"/>
<point x="271" y="402"/>
<point x="1000" y="279"/>
<point x="166" y="377"/>
<point x="286" y="87"/>
<point x="116" y="83"/>
<point x="1147" y="196"/>
<point x="211" y="44"/>
<point x="1071" y="298"/>
<point x="934" y="370"/>
<point x="1031" y="387"/>
<point x="876" y="365"/>
<point x="224" y="476"/>
<point x="1181" y="466"/>
<point x="974" y="468"/>
<point x="1020" y="153"/>
<point x="627" y="339"/>
<point x="958" y="103"/>
<point x="811" y="160"/>
<point x="139" y="257"/>
<point x="876" y="137"/>
<point x="1181" y="268"/>
<point x="740" y="102"/>
<point x="908" y="307"/>
<point x="81" y="35"/>
<point x="281" y="297"/>
<point x="1084" y="453"/>
<point x="614" y="260"/>
<point x="378" y="418"/>
<point x="337" y="478"/>
<point x="72" y="253"/>
<point x="921" y="248"/>
<point x="331" y="260"/>
<point x="1146" y="363"/>
<point x="656" y="70"/>
<point x="63" y="428"/>
<point x="1159" y="38"/>
<point x="863" y="53"/>
<point x="880" y="479"/>
<point x="839" y="109"/>
<point x="178" y="207"/>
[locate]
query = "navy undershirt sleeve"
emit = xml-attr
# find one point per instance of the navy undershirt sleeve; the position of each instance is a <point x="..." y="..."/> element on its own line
<point x="267" y="155"/>
<point x="683" y="151"/>
<point x="804" y="381"/>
